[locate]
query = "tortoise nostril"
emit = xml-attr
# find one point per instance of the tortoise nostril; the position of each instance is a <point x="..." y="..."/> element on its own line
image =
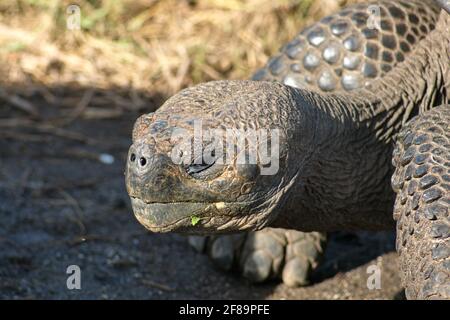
<point x="132" y="157"/>
<point x="143" y="161"/>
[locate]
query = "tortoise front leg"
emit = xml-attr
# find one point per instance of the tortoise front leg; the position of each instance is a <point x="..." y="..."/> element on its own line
<point x="422" y="183"/>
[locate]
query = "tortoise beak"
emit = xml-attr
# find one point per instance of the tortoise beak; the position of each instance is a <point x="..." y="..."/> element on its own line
<point x="165" y="217"/>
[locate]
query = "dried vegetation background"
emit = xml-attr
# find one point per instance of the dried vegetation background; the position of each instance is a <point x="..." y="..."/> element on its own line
<point x="128" y="52"/>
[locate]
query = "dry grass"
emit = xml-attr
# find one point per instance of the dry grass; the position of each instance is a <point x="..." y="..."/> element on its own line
<point x="145" y="45"/>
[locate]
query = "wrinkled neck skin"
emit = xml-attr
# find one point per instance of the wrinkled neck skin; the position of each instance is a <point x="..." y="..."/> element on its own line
<point x="343" y="178"/>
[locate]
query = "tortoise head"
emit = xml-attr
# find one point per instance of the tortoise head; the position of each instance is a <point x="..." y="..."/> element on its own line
<point x="213" y="158"/>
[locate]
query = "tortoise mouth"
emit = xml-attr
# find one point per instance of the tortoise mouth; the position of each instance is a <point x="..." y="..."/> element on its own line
<point x="197" y="217"/>
<point x="185" y="217"/>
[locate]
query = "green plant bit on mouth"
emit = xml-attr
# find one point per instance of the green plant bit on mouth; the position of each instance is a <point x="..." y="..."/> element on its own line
<point x="194" y="220"/>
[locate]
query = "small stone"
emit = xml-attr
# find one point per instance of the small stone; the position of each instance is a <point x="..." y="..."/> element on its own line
<point x="106" y="158"/>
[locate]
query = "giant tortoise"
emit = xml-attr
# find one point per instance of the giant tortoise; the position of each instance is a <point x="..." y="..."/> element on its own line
<point x="355" y="108"/>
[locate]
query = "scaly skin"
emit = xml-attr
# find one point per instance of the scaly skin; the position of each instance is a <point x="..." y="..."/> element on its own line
<point x="338" y="53"/>
<point x="422" y="182"/>
<point x="334" y="151"/>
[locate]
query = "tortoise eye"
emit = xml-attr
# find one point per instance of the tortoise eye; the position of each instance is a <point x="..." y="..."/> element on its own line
<point x="204" y="166"/>
<point x="195" y="168"/>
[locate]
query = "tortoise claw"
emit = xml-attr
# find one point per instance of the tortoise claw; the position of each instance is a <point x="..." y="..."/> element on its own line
<point x="266" y="254"/>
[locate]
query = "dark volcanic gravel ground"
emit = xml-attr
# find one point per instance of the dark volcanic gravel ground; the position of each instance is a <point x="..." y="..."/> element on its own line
<point x="60" y="206"/>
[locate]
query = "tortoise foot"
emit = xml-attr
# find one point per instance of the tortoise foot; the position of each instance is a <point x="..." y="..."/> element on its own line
<point x="267" y="254"/>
